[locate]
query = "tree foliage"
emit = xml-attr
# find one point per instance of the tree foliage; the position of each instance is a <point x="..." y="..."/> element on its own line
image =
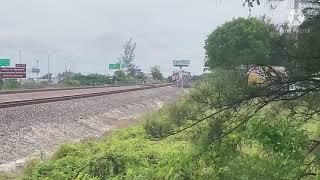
<point x="156" y="73"/>
<point x="242" y="42"/>
<point x="119" y="76"/>
<point x="92" y="79"/>
<point x="128" y="56"/>
<point x="249" y="130"/>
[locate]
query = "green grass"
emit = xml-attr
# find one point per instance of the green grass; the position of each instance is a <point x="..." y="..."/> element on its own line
<point x="8" y="176"/>
<point x="271" y="148"/>
<point x="125" y="153"/>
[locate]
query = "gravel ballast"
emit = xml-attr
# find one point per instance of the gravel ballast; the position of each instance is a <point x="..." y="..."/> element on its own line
<point x="60" y="93"/>
<point x="31" y="130"/>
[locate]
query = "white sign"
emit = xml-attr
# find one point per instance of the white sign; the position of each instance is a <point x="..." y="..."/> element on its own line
<point x="35" y="70"/>
<point x="181" y="63"/>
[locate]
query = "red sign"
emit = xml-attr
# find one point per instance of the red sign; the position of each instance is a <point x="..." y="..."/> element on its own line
<point x="21" y="65"/>
<point x="13" y="75"/>
<point x="12" y="69"/>
<point x="13" y="72"/>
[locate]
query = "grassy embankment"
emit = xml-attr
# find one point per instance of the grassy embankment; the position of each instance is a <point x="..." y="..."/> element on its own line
<point x="136" y="153"/>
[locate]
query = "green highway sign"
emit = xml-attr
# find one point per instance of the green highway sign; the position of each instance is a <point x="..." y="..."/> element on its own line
<point x="114" y="66"/>
<point x="4" y="62"/>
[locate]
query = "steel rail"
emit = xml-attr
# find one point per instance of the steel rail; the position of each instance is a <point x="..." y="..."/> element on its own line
<point x="78" y="96"/>
<point x="61" y="89"/>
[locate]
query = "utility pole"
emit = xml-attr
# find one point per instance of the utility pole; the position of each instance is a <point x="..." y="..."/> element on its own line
<point x="73" y="67"/>
<point x="20" y="62"/>
<point x="181" y="72"/>
<point x="48" y="67"/>
<point x="20" y="56"/>
<point x="65" y="66"/>
<point x="37" y="68"/>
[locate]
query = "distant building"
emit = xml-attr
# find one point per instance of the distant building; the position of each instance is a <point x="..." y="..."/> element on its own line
<point x="137" y="72"/>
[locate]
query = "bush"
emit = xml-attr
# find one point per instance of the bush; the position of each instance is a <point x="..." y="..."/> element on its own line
<point x="157" y="126"/>
<point x="125" y="154"/>
<point x="44" y="84"/>
<point x="11" y="84"/>
<point x="30" y="85"/>
<point x="71" y="83"/>
<point x="182" y="111"/>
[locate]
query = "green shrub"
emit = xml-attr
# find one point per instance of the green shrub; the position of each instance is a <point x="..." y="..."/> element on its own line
<point x="30" y="85"/>
<point x="182" y="111"/>
<point x="71" y="83"/>
<point x="124" y="154"/>
<point x="8" y="176"/>
<point x="157" y="126"/>
<point x="110" y="165"/>
<point x="11" y="84"/>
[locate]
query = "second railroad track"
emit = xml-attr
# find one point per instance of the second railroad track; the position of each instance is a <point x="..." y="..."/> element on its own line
<point x="77" y="96"/>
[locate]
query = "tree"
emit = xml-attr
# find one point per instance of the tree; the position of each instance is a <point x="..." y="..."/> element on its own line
<point x="250" y="3"/>
<point x="127" y="58"/>
<point x="241" y="42"/>
<point x="119" y="76"/>
<point x="155" y="72"/>
<point x="272" y="115"/>
<point x="71" y="83"/>
<point x="1" y="83"/>
<point x="290" y="95"/>
<point x="92" y="79"/>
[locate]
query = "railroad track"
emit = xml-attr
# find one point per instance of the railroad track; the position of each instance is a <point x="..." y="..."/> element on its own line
<point x="61" y="89"/>
<point x="79" y="96"/>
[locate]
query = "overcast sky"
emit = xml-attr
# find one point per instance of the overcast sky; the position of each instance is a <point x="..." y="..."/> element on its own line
<point x="91" y="32"/>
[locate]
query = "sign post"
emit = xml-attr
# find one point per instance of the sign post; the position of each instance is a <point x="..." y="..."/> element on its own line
<point x="181" y="63"/>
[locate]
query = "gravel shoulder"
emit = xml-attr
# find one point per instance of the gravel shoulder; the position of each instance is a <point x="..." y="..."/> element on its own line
<point x="38" y="129"/>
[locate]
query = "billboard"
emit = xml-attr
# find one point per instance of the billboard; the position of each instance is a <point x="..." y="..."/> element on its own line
<point x="13" y="72"/>
<point x="181" y="63"/>
<point x="35" y="70"/>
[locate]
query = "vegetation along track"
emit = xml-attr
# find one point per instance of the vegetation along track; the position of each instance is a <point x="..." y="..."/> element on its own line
<point x="64" y="98"/>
